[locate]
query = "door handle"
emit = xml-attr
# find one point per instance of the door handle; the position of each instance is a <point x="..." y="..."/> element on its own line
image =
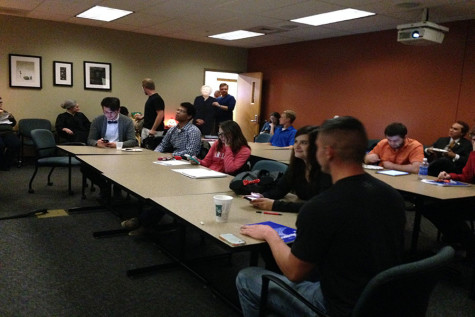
<point x="255" y="118"/>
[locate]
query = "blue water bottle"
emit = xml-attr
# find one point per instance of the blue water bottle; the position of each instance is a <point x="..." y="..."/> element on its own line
<point x="423" y="169"/>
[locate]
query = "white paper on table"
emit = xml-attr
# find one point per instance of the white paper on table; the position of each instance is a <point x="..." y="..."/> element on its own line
<point x="199" y="173"/>
<point x="172" y="163"/>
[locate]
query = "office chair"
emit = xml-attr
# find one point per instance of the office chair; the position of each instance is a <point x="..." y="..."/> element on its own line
<point x="46" y="150"/>
<point x="263" y="138"/>
<point x="25" y="126"/>
<point x="372" y="143"/>
<point x="403" y="290"/>
<point x="270" y="166"/>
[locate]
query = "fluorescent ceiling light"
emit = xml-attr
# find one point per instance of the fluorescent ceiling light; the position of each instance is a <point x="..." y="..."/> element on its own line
<point x="332" y="17"/>
<point x="236" y="35"/>
<point x="103" y="13"/>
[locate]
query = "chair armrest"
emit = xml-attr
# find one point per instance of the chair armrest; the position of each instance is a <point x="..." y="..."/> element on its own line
<point x="266" y="278"/>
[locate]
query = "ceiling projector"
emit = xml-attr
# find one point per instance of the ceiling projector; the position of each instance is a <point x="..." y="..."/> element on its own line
<point x="421" y="33"/>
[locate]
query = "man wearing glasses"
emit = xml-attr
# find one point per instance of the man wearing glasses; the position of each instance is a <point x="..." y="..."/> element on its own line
<point x="184" y="138"/>
<point x="111" y="127"/>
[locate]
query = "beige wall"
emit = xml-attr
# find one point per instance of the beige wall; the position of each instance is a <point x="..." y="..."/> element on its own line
<point x="176" y="66"/>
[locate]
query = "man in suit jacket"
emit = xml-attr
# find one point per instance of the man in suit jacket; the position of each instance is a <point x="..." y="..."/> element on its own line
<point x="457" y="151"/>
<point x="111" y="127"/>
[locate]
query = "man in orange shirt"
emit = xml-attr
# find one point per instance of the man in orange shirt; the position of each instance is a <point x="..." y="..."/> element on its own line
<point x="396" y="151"/>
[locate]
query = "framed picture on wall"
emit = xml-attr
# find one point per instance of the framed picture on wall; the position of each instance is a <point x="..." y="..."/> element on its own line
<point x="25" y="71"/>
<point x="63" y="74"/>
<point x="97" y="76"/>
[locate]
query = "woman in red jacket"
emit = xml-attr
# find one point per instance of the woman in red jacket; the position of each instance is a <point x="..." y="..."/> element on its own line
<point x="230" y="153"/>
<point x="450" y="216"/>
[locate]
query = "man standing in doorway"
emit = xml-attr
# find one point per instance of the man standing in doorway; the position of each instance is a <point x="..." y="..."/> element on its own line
<point x="225" y="105"/>
<point x="154" y="111"/>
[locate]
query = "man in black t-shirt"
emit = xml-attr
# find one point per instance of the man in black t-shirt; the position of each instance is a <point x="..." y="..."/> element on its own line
<point x="154" y="111"/>
<point x="348" y="233"/>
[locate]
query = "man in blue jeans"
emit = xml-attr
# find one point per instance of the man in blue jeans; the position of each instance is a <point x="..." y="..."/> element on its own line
<point x="348" y="233"/>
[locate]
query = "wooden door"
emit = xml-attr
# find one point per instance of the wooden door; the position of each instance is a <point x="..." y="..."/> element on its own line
<point x="248" y="103"/>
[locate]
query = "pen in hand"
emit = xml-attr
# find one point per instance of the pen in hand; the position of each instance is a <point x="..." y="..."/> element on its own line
<point x="268" y="213"/>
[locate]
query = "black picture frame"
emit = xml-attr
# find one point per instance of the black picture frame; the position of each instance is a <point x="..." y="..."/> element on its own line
<point x="62" y="74"/>
<point x="97" y="75"/>
<point x="25" y="71"/>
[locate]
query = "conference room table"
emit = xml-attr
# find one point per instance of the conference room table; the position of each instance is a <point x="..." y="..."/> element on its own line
<point x="75" y="150"/>
<point x="188" y="200"/>
<point x="269" y="152"/>
<point x="422" y="191"/>
<point x="144" y="177"/>
<point x="199" y="211"/>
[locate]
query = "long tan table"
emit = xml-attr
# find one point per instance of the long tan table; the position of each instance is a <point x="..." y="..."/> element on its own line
<point x="94" y="150"/>
<point x="141" y="176"/>
<point x="269" y="152"/>
<point x="198" y="210"/>
<point x="412" y="185"/>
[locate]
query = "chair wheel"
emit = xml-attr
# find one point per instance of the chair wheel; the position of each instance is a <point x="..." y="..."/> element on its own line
<point x="50" y="184"/>
<point x="31" y="191"/>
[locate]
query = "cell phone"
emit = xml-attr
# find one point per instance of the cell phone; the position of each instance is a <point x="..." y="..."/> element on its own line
<point x="232" y="239"/>
<point x="250" y="198"/>
<point x="105" y="141"/>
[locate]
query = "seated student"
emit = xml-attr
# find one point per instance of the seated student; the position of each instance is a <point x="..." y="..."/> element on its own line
<point x="9" y="142"/>
<point x="303" y="177"/>
<point x="450" y="216"/>
<point x="272" y="124"/>
<point x="185" y="137"/>
<point x="458" y="148"/>
<point x="285" y="135"/>
<point x="230" y="153"/>
<point x="123" y="110"/>
<point x="72" y="125"/>
<point x="396" y="151"/>
<point x="111" y="127"/>
<point x="106" y="130"/>
<point x="348" y="233"/>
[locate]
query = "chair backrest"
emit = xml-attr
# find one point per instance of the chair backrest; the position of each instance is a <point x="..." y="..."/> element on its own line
<point x="403" y="290"/>
<point x="270" y="165"/>
<point x="372" y="143"/>
<point x="262" y="138"/>
<point x="44" y="142"/>
<point x="25" y="126"/>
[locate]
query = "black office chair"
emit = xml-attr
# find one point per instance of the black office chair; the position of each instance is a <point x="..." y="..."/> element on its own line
<point x="25" y="126"/>
<point x="270" y="166"/>
<point x="402" y="290"/>
<point x="372" y="143"/>
<point x="262" y="138"/>
<point x="47" y="155"/>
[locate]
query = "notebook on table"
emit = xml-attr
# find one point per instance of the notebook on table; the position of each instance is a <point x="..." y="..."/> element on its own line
<point x="199" y="173"/>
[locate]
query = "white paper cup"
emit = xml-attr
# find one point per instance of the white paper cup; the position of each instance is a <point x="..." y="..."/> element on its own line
<point x="222" y="204"/>
<point x="119" y="145"/>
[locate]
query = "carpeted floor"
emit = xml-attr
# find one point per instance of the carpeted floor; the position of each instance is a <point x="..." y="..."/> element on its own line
<point x="54" y="267"/>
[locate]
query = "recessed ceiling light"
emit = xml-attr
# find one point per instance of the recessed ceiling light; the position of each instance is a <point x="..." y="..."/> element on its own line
<point x="103" y="14"/>
<point x="236" y="35"/>
<point x="334" y="16"/>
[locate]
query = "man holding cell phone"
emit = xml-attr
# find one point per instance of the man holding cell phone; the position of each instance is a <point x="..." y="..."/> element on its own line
<point x="111" y="127"/>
